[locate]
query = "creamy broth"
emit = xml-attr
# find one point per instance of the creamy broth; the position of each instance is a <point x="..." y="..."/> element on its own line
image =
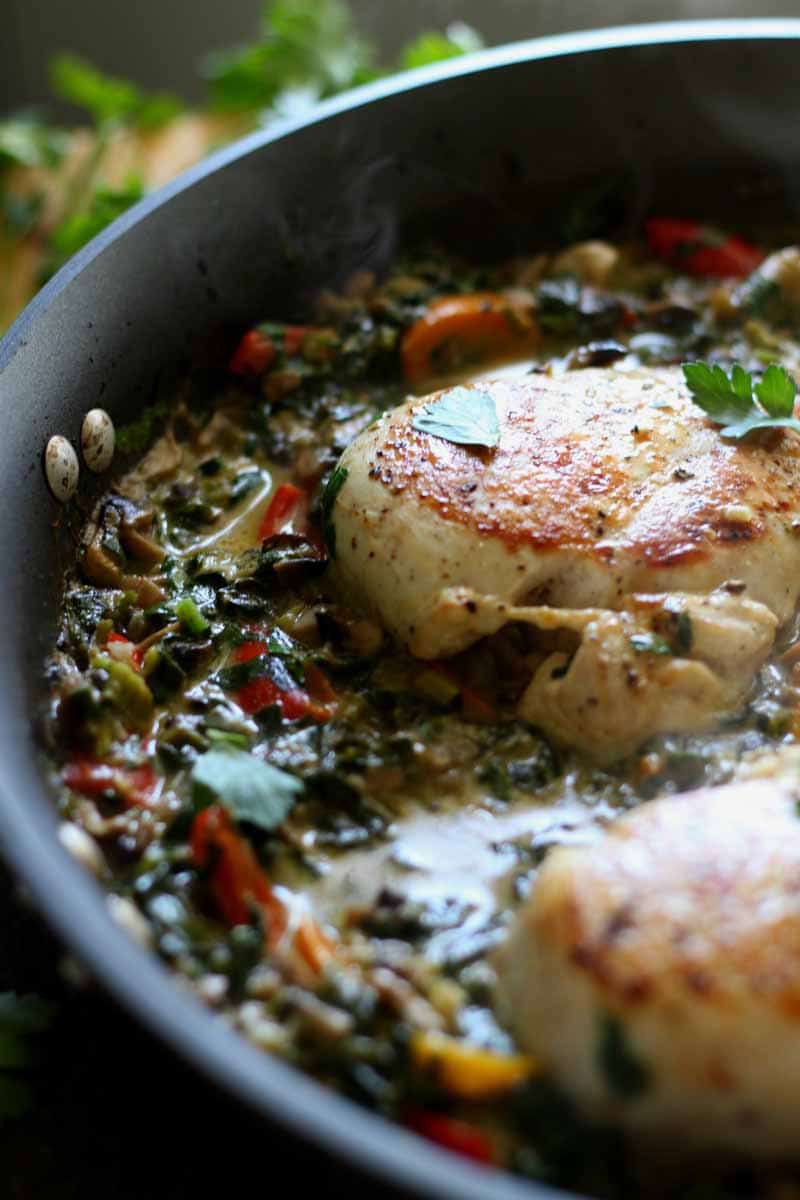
<point x="326" y="837"/>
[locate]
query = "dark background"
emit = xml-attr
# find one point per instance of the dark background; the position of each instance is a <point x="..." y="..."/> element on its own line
<point x="115" y="1115"/>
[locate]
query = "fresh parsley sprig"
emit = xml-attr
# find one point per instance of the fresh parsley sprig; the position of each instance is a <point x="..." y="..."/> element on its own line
<point x="738" y="404"/>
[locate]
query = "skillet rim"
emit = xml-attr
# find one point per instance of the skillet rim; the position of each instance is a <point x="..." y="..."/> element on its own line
<point x="77" y="910"/>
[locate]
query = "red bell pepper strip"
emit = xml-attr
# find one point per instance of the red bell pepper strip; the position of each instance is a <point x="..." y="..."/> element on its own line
<point x="315" y="948"/>
<point x="699" y="250"/>
<point x="263" y="693"/>
<point x="238" y="882"/>
<point x="287" y="510"/>
<point x="136" y="786"/>
<point x="254" y="354"/>
<point x="293" y="338"/>
<point x="474" y="328"/>
<point x="319" y="686"/>
<point x="458" y="1136"/>
<point x="247" y="651"/>
<point x="294" y="703"/>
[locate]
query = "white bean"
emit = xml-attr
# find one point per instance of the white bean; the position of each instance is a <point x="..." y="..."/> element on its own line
<point x="61" y="468"/>
<point x="82" y="846"/>
<point x="126" y="914"/>
<point x="97" y="440"/>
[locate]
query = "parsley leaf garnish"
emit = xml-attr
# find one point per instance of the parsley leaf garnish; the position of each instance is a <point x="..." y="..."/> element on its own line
<point x="737" y="404"/>
<point x="466" y="416"/>
<point x="250" y="789"/>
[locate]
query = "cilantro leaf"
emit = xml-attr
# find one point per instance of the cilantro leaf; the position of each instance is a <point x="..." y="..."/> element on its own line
<point x="250" y="789"/>
<point x="739" y="407"/>
<point x="109" y="100"/>
<point x="432" y="47"/>
<point x="306" y="45"/>
<point x="466" y="416"/>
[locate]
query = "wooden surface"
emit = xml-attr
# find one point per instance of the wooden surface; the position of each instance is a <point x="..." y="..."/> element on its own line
<point x="155" y="157"/>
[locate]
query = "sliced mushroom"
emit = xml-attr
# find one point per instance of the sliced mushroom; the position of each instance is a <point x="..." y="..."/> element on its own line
<point x="119" y="529"/>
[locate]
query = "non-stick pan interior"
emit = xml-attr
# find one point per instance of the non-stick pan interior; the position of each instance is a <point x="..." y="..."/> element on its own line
<point x="493" y="154"/>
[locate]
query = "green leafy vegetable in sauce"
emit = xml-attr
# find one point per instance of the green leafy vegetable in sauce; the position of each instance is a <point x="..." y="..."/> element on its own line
<point x="251" y="790"/>
<point x="466" y="416"/>
<point x="332" y="489"/>
<point x="650" y="643"/>
<point x="190" y="616"/>
<point x="625" y="1074"/>
<point x="139" y="433"/>
<point x="737" y="404"/>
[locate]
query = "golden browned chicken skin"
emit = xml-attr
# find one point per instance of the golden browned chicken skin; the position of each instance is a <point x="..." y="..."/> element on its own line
<point x="612" y="508"/>
<point x="657" y="972"/>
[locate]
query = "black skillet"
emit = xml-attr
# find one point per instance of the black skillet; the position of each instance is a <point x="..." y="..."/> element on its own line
<point x="690" y="118"/>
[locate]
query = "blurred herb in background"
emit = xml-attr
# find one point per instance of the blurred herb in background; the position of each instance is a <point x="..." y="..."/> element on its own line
<point x="110" y="102"/>
<point x="58" y="189"/>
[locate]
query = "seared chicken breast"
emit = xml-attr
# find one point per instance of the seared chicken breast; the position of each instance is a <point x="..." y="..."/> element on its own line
<point x="656" y="973"/>
<point x="657" y="559"/>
